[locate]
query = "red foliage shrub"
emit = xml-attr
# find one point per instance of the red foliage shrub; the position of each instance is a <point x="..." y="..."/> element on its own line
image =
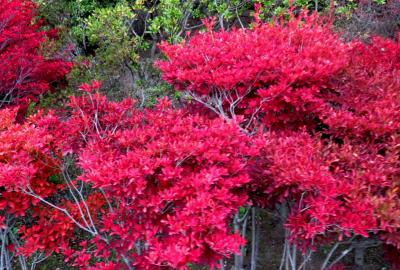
<point x="365" y="100"/>
<point x="275" y="68"/>
<point x="163" y="184"/>
<point x="331" y="112"/>
<point x="335" y="190"/>
<point x="25" y="71"/>
<point x="28" y="161"/>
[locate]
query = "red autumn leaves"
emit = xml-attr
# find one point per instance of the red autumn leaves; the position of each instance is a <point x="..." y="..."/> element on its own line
<point x="108" y="185"/>
<point x="25" y="72"/>
<point x="172" y="181"/>
<point x="330" y="110"/>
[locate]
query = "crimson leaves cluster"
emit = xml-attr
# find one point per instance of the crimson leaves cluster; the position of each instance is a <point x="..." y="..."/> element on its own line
<point x="330" y="112"/>
<point x="170" y="183"/>
<point x="25" y="71"/>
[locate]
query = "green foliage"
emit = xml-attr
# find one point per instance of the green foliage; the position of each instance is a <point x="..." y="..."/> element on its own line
<point x="70" y="13"/>
<point x="347" y="8"/>
<point x="55" y="179"/>
<point x="106" y="46"/>
<point x="171" y="14"/>
<point x="228" y="10"/>
<point x="242" y="211"/>
<point x="50" y="100"/>
<point x="158" y="91"/>
<point x="114" y="19"/>
<point x="108" y="29"/>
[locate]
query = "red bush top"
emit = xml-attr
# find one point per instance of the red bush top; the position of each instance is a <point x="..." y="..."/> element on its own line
<point x="278" y="66"/>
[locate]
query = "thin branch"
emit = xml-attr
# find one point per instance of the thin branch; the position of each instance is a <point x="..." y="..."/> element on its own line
<point x="63" y="210"/>
<point x="253" y="262"/>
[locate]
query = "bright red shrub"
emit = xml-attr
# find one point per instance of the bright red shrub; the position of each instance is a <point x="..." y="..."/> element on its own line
<point x="28" y="160"/>
<point x="274" y="69"/>
<point x="170" y="183"/>
<point x="339" y="173"/>
<point x="366" y="98"/>
<point x="25" y="71"/>
<point x="175" y="181"/>
<point x="336" y="191"/>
